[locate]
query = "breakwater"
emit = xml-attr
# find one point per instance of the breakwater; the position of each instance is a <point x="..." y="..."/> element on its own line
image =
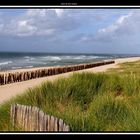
<point x="12" y="77"/>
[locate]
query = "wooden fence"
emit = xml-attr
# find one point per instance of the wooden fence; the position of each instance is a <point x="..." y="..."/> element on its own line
<point x="13" y="77"/>
<point x="32" y="119"/>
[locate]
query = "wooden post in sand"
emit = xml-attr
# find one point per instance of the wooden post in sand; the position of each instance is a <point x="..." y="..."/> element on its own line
<point x="2" y="79"/>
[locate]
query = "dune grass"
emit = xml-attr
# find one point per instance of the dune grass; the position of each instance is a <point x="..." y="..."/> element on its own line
<point x="88" y="102"/>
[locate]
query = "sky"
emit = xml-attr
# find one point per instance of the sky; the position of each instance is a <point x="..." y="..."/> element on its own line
<point x="70" y="30"/>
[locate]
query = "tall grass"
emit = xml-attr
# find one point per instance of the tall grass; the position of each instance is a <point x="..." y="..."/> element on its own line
<point x="87" y="101"/>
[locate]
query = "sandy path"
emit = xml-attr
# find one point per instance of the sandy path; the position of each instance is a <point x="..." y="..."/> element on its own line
<point x="11" y="90"/>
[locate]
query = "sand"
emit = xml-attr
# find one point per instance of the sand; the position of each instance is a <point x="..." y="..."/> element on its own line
<point x="11" y="90"/>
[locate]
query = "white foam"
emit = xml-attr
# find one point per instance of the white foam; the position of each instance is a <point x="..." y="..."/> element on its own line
<point x="6" y="63"/>
<point x="51" y="58"/>
<point x="87" y="57"/>
<point x="29" y="66"/>
<point x="80" y="57"/>
<point x="16" y="67"/>
<point x="28" y="58"/>
<point x="94" y="57"/>
<point x="67" y="57"/>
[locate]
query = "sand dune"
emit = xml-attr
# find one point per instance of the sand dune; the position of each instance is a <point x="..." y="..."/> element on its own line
<point x="11" y="90"/>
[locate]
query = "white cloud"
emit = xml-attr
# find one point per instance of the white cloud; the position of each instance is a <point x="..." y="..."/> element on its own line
<point x="39" y="22"/>
<point x="84" y="38"/>
<point x="48" y="32"/>
<point x="54" y="23"/>
<point x="123" y="18"/>
<point x="26" y="30"/>
<point x="22" y="23"/>
<point x="1" y="26"/>
<point x="47" y="22"/>
<point x="102" y="29"/>
<point x="121" y="21"/>
<point x="59" y="12"/>
<point x="123" y="29"/>
<point x="43" y="12"/>
<point x="36" y="12"/>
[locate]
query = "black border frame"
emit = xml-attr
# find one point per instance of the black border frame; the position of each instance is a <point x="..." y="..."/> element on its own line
<point x="69" y="2"/>
<point x="70" y="6"/>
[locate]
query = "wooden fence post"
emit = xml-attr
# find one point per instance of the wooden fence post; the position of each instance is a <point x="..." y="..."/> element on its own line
<point x="32" y="119"/>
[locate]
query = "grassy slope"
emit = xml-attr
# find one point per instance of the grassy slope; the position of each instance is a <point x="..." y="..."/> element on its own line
<point x="88" y="102"/>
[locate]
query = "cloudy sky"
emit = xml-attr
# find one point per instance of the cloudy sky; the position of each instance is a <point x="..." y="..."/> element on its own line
<point x="70" y="30"/>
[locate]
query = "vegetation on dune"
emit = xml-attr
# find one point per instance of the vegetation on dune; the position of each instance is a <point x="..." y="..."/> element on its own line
<point x="88" y="102"/>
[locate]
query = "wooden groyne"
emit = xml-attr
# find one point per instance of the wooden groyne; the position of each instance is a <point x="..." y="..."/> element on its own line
<point x="28" y="118"/>
<point x="12" y="77"/>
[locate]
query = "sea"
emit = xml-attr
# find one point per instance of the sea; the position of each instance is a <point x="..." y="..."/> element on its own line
<point x="20" y="60"/>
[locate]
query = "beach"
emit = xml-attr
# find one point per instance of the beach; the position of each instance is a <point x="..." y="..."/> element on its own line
<point x="11" y="90"/>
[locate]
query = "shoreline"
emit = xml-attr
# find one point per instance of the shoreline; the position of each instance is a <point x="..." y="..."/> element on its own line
<point x="13" y="77"/>
<point x="47" y="67"/>
<point x="11" y="90"/>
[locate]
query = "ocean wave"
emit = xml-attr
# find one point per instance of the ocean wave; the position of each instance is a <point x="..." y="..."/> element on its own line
<point x="28" y="58"/>
<point x="38" y="62"/>
<point x="67" y="57"/>
<point x="16" y="67"/>
<point x="87" y="57"/>
<point x="51" y="58"/>
<point x="44" y="63"/>
<point x="95" y="57"/>
<point x="80" y="57"/>
<point x="29" y="66"/>
<point x="6" y="63"/>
